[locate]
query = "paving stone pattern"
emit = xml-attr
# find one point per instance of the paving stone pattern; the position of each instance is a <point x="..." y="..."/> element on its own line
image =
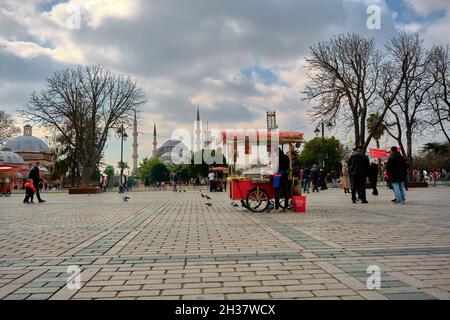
<point x="165" y="245"/>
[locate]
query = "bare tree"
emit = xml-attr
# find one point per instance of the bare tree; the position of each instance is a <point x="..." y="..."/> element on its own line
<point x="7" y="127"/>
<point x="349" y="79"/>
<point x="91" y="101"/>
<point x="439" y="67"/>
<point x="405" y="115"/>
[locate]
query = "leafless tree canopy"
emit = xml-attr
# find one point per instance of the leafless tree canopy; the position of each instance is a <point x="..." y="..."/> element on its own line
<point x="439" y="67"/>
<point x="348" y="79"/>
<point x="404" y="119"/>
<point x="7" y="127"/>
<point x="90" y="101"/>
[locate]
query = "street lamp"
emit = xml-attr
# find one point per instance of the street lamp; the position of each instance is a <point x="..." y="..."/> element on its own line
<point x="123" y="136"/>
<point x="318" y="131"/>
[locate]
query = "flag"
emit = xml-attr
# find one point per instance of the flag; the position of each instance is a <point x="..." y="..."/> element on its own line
<point x="378" y="153"/>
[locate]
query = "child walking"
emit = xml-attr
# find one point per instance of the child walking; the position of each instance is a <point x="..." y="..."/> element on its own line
<point x="29" y="191"/>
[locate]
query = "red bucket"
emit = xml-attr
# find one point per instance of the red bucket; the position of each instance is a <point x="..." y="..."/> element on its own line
<point x="299" y="203"/>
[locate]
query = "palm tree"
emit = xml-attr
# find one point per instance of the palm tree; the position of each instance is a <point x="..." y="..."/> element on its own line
<point x="109" y="171"/>
<point x="123" y="165"/>
<point x="378" y="132"/>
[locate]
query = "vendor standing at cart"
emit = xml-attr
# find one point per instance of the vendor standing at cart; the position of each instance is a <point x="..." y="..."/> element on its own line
<point x="283" y="173"/>
<point x="35" y="176"/>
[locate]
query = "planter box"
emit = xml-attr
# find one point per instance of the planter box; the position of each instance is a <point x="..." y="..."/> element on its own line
<point x="86" y="190"/>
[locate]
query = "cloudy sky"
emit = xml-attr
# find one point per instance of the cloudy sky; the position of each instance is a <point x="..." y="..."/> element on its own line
<point x="237" y="59"/>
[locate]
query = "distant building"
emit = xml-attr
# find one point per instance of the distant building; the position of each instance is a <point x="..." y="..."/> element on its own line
<point x="174" y="148"/>
<point x="171" y="149"/>
<point x="11" y="159"/>
<point x="31" y="149"/>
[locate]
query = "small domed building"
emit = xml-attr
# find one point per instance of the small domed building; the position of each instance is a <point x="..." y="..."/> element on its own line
<point x="12" y="160"/>
<point x="31" y="149"/>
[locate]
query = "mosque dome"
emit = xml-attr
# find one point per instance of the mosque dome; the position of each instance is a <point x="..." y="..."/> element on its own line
<point x="28" y="143"/>
<point x="9" y="157"/>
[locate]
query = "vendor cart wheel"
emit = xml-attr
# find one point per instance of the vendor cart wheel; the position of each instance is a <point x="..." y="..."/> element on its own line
<point x="257" y="200"/>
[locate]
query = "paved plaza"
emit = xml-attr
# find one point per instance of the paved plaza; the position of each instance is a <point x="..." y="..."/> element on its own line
<point x="164" y="245"/>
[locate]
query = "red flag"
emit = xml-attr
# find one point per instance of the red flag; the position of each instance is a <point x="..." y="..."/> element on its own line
<point x="378" y="153"/>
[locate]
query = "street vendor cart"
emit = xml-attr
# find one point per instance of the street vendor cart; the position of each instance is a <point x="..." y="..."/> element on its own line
<point x="6" y="176"/>
<point x="252" y="182"/>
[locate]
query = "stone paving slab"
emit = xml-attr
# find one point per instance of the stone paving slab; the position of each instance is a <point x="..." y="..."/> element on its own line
<point x="165" y="245"/>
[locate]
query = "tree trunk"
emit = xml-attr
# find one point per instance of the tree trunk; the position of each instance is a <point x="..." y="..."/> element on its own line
<point x="85" y="180"/>
<point x="409" y="156"/>
<point x="380" y="168"/>
<point x="86" y="176"/>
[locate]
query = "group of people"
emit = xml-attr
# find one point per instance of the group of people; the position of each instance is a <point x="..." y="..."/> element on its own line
<point x="318" y="179"/>
<point x="359" y="169"/>
<point x="32" y="185"/>
<point x="430" y="176"/>
<point x="355" y="173"/>
<point x="216" y="183"/>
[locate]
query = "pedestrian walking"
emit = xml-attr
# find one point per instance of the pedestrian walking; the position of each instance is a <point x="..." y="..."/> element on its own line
<point x="396" y="169"/>
<point x="373" y="177"/>
<point x="174" y="182"/>
<point x="35" y="176"/>
<point x="29" y="191"/>
<point x="358" y="167"/>
<point x="345" y="178"/>
<point x="211" y="180"/>
<point x="306" y="180"/>
<point x="334" y="178"/>
<point x="323" y="179"/>
<point x="282" y="185"/>
<point x="315" y="178"/>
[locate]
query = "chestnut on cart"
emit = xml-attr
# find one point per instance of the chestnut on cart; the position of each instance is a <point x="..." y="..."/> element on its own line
<point x="254" y="163"/>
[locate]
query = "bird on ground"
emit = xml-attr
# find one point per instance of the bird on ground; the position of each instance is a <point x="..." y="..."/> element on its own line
<point x="125" y="199"/>
<point x="203" y="196"/>
<point x="207" y="197"/>
<point x="235" y="205"/>
<point x="209" y="204"/>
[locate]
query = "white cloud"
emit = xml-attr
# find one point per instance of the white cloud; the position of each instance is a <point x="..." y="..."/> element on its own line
<point x="426" y="7"/>
<point x="186" y="53"/>
<point x="93" y="12"/>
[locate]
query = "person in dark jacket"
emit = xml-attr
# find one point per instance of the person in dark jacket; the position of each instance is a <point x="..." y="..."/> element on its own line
<point x="358" y="167"/>
<point x="323" y="179"/>
<point x="315" y="178"/>
<point x="35" y="176"/>
<point x="306" y="180"/>
<point x="396" y="169"/>
<point x="283" y="169"/>
<point x="373" y="177"/>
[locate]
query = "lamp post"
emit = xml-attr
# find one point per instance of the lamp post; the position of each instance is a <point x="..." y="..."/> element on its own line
<point x="123" y="136"/>
<point x="317" y="132"/>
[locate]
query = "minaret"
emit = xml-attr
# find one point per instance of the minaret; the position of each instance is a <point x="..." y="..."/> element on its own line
<point x="135" y="146"/>
<point x="198" y="131"/>
<point x="155" y="143"/>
